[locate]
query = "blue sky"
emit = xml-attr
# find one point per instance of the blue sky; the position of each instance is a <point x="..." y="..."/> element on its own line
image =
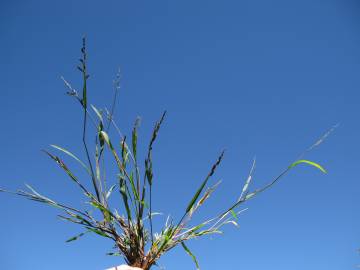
<point x="262" y="78"/>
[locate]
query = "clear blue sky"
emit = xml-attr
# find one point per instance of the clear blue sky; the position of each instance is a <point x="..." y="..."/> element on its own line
<point x="262" y="78"/>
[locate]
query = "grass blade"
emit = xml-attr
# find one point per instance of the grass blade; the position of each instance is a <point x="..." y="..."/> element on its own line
<point x="198" y="192"/>
<point x="71" y="155"/>
<point x="123" y="193"/>
<point x="134" y="138"/>
<point x="308" y="162"/>
<point x="106" y="138"/>
<point x="69" y="173"/>
<point x="97" y="112"/>
<point x="191" y="255"/>
<point x="76" y="237"/>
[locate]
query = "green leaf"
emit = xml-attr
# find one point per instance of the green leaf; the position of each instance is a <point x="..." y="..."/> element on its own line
<point x="133" y="188"/>
<point x="69" y="173"/>
<point x="195" y="197"/>
<point x="124" y="151"/>
<point x="135" y="137"/>
<point x="107" y="214"/>
<point x="113" y="254"/>
<point x="76" y="237"/>
<point x="125" y="197"/>
<point x="80" y="218"/>
<point x="45" y="199"/>
<point x="308" y="162"/>
<point x="205" y="232"/>
<point x="196" y="228"/>
<point x="144" y="204"/>
<point x="148" y="170"/>
<point x="84" y="99"/>
<point x="106" y="138"/>
<point x="62" y="165"/>
<point x="71" y="155"/>
<point x="97" y="112"/>
<point x="198" y="192"/>
<point x="233" y="214"/>
<point x="191" y="255"/>
<point x="98" y="232"/>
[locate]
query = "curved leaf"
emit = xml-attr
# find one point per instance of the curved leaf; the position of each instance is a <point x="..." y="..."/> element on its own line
<point x="191" y="255"/>
<point x="308" y="162"/>
<point x="71" y="155"/>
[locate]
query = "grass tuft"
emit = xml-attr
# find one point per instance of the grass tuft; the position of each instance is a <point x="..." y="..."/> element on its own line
<point x="132" y="230"/>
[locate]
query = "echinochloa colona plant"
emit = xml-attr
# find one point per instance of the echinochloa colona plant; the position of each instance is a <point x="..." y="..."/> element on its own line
<point x="130" y="225"/>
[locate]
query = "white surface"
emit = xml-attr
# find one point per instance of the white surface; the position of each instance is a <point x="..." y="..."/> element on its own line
<point x="124" y="267"/>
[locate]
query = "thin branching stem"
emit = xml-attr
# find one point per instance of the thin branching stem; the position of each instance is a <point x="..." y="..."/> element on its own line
<point x="83" y="69"/>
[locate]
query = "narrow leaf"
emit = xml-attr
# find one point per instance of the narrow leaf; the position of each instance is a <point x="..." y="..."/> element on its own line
<point x="98" y="232"/>
<point x="191" y="255"/>
<point x="66" y="169"/>
<point x="308" y="162"/>
<point x="97" y="112"/>
<point x="133" y="188"/>
<point x="76" y="237"/>
<point x="135" y="137"/>
<point x="107" y="214"/>
<point x="113" y="254"/>
<point x="71" y="155"/>
<point x="234" y="214"/>
<point x="198" y="192"/>
<point x="125" y="197"/>
<point x="106" y="138"/>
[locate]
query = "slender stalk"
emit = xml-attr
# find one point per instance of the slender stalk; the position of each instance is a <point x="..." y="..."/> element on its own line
<point x="84" y="104"/>
<point x="150" y="215"/>
<point x="113" y="105"/>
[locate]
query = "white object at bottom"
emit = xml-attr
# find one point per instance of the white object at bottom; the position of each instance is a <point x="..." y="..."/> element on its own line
<point x="124" y="267"/>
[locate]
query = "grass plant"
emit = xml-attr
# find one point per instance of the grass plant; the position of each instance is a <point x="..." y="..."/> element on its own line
<point x="131" y="229"/>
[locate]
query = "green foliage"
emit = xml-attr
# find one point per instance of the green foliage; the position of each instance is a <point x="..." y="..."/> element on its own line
<point x="190" y="254"/>
<point x="132" y="229"/>
<point x="308" y="162"/>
